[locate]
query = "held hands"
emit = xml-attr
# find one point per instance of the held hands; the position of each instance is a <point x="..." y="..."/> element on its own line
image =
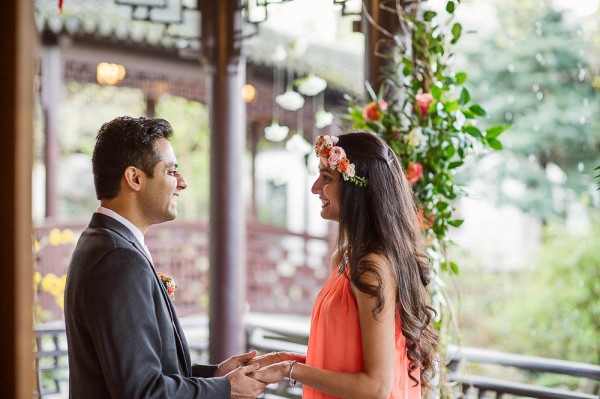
<point x="234" y="362"/>
<point x="249" y="374"/>
<point x="242" y="384"/>
<point x="272" y="373"/>
<point x="267" y="359"/>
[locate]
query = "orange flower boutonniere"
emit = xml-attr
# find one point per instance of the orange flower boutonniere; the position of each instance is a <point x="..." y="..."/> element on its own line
<point x="169" y="285"/>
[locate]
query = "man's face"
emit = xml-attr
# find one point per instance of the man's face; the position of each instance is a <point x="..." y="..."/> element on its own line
<point x="160" y="193"/>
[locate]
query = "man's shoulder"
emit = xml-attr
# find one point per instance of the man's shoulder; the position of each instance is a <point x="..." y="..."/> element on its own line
<point x="102" y="238"/>
<point x="101" y="242"/>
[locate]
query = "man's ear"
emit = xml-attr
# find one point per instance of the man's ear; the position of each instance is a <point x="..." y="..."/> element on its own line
<point x="133" y="178"/>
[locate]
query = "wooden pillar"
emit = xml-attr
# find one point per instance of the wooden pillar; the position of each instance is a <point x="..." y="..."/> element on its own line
<point x="52" y="73"/>
<point x="376" y="42"/>
<point x="150" y="105"/>
<point x="17" y="45"/>
<point x="255" y="133"/>
<point x="221" y="41"/>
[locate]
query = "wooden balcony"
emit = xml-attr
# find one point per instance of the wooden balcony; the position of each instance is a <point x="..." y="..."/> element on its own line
<point x="268" y="333"/>
<point x="284" y="273"/>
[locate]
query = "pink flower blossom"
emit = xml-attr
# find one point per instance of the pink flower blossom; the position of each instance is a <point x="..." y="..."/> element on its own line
<point x="350" y="170"/>
<point x="424" y="100"/>
<point x="373" y="110"/>
<point x="414" y="172"/>
<point x="336" y="155"/>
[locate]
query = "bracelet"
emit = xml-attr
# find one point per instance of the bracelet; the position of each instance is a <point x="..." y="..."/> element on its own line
<point x="292" y="380"/>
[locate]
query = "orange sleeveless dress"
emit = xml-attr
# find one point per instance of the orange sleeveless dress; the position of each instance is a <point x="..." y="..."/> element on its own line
<point x="335" y="341"/>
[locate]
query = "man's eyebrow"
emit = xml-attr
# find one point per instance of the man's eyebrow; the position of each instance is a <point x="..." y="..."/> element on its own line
<point x="172" y="164"/>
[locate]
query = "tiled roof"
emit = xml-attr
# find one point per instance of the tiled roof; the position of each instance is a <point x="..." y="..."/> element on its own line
<point x="106" y="21"/>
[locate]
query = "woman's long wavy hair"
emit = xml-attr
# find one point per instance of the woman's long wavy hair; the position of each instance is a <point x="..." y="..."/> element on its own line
<point x="382" y="219"/>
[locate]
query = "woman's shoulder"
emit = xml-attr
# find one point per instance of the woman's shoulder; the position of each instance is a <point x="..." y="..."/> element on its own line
<point x="375" y="260"/>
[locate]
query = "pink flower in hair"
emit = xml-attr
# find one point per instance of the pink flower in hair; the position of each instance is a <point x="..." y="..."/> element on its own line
<point x="336" y="155"/>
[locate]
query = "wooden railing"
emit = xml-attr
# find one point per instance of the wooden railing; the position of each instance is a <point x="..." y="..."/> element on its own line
<point x="285" y="269"/>
<point x="267" y="333"/>
<point x="462" y="359"/>
<point x="267" y="336"/>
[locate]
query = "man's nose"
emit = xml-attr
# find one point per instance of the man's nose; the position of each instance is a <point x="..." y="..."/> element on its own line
<point x="181" y="183"/>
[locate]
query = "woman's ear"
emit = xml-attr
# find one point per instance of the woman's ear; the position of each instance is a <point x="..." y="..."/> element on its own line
<point x="133" y="178"/>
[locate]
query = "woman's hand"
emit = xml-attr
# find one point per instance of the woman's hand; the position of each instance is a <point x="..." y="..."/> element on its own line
<point x="273" y="373"/>
<point x="267" y="359"/>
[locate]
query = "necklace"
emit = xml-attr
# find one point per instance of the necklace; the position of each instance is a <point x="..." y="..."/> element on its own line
<point x="343" y="264"/>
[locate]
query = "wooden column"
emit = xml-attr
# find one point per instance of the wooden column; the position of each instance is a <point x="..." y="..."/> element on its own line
<point x="150" y="105"/>
<point x="17" y="45"/>
<point x="51" y="85"/>
<point x="221" y="26"/>
<point x="377" y="42"/>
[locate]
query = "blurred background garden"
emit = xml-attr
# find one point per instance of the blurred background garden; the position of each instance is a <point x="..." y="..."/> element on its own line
<point x="528" y="255"/>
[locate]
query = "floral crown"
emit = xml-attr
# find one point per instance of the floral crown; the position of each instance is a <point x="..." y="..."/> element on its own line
<point x="335" y="159"/>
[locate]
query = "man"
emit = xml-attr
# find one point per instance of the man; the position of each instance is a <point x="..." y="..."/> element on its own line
<point x="124" y="338"/>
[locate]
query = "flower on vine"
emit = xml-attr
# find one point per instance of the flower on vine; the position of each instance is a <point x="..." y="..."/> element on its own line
<point x="169" y="284"/>
<point x="425" y="219"/>
<point x="424" y="100"/>
<point x="414" y="172"/>
<point x="374" y="110"/>
<point x="416" y="138"/>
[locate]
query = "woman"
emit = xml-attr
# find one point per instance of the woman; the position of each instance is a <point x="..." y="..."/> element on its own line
<point x="371" y="332"/>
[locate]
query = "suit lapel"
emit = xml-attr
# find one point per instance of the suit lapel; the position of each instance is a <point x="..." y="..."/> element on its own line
<point x="181" y="342"/>
<point x="103" y="221"/>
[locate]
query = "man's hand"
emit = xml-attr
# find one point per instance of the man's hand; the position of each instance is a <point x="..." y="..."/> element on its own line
<point x="233" y="363"/>
<point x="242" y="386"/>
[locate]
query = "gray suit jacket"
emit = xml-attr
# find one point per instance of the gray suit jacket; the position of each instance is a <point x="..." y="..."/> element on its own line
<point x="124" y="338"/>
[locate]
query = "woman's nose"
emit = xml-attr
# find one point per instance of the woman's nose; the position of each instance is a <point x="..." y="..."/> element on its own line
<point x="315" y="187"/>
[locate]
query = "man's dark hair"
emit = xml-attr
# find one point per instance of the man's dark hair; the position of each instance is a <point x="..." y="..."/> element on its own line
<point x="125" y="142"/>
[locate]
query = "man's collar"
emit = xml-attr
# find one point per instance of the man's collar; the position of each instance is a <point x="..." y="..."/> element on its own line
<point x="133" y="228"/>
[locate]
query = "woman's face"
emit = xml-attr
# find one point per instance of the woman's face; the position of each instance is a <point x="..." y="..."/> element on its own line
<point x="327" y="187"/>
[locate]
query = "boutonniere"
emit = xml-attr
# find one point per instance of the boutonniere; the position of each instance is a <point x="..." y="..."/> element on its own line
<point x="169" y="284"/>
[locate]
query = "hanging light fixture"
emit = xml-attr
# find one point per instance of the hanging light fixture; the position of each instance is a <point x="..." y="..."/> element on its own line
<point x="249" y="93"/>
<point x="110" y="74"/>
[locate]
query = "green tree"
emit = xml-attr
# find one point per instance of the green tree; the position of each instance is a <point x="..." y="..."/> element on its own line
<point x="534" y="73"/>
<point x="560" y="317"/>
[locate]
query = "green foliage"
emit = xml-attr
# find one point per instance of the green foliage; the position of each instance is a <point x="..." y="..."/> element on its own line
<point x="426" y="115"/>
<point x="549" y="310"/>
<point x="561" y="316"/>
<point x="543" y="85"/>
